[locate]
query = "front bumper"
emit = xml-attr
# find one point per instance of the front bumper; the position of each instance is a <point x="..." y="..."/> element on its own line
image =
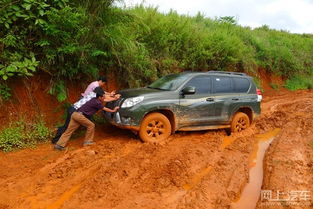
<point x="124" y="118"/>
<point x="120" y="121"/>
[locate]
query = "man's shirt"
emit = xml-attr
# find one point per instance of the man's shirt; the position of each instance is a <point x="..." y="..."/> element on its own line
<point x="90" y="88"/>
<point x="91" y="107"/>
<point x="83" y="100"/>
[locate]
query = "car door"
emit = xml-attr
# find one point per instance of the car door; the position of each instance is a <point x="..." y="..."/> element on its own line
<point x="196" y="109"/>
<point x="227" y="99"/>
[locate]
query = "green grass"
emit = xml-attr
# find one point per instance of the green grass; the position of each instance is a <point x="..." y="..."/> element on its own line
<point x="22" y="134"/>
<point x="299" y="82"/>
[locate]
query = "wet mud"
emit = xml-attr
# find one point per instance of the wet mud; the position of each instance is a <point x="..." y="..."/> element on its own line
<point x="199" y="170"/>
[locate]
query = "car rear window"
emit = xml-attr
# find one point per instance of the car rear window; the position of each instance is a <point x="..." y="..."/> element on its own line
<point x="241" y="85"/>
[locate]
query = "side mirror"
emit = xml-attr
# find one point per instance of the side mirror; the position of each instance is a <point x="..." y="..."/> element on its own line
<point x="189" y="90"/>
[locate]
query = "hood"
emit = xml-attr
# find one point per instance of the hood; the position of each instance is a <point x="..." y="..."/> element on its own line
<point x="127" y="93"/>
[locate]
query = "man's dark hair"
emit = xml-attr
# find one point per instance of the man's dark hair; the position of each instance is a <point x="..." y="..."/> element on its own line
<point x="98" y="90"/>
<point x="99" y="95"/>
<point x="102" y="78"/>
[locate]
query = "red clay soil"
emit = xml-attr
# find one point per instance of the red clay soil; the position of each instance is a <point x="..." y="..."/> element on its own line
<point x="288" y="163"/>
<point x="200" y="170"/>
<point x="269" y="80"/>
<point x="30" y="99"/>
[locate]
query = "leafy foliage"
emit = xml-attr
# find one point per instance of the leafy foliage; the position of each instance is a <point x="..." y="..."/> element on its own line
<point x="78" y="39"/>
<point x="23" y="67"/>
<point x="22" y="24"/>
<point x="5" y="92"/>
<point x="58" y="89"/>
<point x="199" y="43"/>
<point x="227" y="19"/>
<point x="21" y="134"/>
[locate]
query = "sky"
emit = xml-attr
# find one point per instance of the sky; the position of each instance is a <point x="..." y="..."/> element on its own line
<point x="295" y="16"/>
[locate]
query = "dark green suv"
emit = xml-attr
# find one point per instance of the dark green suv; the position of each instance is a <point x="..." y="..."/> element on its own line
<point x="186" y="102"/>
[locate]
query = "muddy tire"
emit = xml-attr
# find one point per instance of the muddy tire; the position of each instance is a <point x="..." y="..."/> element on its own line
<point x="155" y="128"/>
<point x="240" y="122"/>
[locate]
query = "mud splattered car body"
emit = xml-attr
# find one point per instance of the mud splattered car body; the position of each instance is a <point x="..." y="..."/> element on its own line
<point x="189" y="101"/>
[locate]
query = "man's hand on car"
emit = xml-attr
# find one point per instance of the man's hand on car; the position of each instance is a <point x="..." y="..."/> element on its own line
<point x="117" y="96"/>
<point x="113" y="93"/>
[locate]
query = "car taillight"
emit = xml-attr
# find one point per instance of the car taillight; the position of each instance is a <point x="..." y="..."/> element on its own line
<point x="259" y="93"/>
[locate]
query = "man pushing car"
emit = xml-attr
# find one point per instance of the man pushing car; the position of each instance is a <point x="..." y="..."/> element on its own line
<point x="82" y="117"/>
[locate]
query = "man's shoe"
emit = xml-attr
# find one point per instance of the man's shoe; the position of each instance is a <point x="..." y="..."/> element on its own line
<point x="58" y="147"/>
<point x="87" y="143"/>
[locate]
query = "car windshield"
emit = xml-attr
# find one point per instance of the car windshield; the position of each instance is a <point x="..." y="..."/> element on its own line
<point x="168" y="82"/>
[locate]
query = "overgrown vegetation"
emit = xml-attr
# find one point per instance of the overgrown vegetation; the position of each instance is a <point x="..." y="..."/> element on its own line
<point x="78" y="39"/>
<point x="23" y="134"/>
<point x="299" y="82"/>
<point x="5" y="92"/>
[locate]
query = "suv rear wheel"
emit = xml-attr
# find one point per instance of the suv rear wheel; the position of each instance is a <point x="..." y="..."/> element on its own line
<point x="240" y="122"/>
<point x="155" y="128"/>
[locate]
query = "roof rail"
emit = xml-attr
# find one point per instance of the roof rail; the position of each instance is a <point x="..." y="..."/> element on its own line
<point x="226" y="72"/>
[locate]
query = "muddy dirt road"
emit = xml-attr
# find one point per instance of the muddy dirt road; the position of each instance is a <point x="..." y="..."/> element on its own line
<point x="199" y="170"/>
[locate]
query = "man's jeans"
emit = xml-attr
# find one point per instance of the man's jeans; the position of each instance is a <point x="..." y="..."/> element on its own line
<point x="63" y="128"/>
<point x="77" y="120"/>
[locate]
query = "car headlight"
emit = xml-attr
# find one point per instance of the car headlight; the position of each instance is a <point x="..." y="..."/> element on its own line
<point x="132" y="101"/>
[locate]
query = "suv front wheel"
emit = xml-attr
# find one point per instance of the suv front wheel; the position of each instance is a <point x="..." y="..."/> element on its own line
<point x="155" y="128"/>
<point x="240" y="122"/>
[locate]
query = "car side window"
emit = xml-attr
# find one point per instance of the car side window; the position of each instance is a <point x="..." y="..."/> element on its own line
<point x="222" y="84"/>
<point x="241" y="85"/>
<point x="201" y="83"/>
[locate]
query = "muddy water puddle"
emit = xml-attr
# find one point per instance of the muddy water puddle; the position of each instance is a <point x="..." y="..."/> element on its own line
<point x="251" y="191"/>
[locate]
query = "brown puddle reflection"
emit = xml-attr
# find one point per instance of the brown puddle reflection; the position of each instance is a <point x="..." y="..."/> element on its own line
<point x="251" y="192"/>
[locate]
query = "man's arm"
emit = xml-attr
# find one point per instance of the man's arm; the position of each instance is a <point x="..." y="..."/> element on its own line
<point x="110" y="99"/>
<point x="112" y="93"/>
<point x="110" y="110"/>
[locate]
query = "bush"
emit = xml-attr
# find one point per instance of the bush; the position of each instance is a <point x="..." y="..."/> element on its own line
<point x="58" y="89"/>
<point x="78" y="39"/>
<point x="10" y="138"/>
<point x="21" y="134"/>
<point x="299" y="82"/>
<point x="5" y="92"/>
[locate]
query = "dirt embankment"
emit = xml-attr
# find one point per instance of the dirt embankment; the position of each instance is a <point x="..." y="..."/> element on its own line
<point x="200" y="170"/>
<point x="30" y="98"/>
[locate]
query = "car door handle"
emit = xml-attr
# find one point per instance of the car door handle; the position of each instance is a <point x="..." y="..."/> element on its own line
<point x="235" y="99"/>
<point x="209" y="99"/>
